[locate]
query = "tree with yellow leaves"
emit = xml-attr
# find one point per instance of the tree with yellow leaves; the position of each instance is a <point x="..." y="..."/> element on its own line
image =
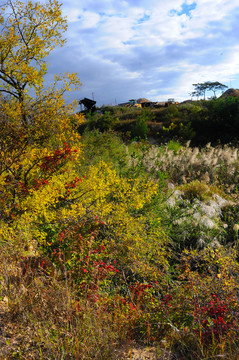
<point x="38" y="119"/>
<point x="29" y="32"/>
<point x="92" y="226"/>
<point x="35" y="126"/>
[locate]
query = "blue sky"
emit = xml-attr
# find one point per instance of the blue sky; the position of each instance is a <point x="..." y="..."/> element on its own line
<point x="148" y="48"/>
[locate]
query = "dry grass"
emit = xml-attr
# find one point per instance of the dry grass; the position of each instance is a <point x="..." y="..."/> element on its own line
<point x="212" y="165"/>
<point x="39" y="317"/>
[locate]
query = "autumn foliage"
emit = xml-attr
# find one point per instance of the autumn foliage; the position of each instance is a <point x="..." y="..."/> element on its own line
<point x="95" y="255"/>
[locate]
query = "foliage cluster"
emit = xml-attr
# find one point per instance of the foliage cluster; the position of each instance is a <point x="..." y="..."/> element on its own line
<point x="102" y="244"/>
<point x="214" y="121"/>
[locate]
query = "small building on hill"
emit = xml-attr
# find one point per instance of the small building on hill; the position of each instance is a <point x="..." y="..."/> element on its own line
<point x="89" y="105"/>
<point x="142" y="102"/>
<point x="160" y="104"/>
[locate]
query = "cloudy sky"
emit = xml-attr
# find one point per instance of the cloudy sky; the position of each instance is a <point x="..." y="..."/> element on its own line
<point x="148" y="48"/>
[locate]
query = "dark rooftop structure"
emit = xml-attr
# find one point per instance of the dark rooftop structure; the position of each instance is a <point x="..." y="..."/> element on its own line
<point x="89" y="105"/>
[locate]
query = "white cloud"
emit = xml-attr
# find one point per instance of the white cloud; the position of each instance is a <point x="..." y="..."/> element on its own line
<point x="136" y="48"/>
<point x="89" y="19"/>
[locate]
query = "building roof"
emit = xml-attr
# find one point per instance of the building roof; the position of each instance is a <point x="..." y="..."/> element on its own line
<point x="143" y="100"/>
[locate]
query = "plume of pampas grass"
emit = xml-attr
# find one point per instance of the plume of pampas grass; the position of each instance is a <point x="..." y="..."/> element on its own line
<point x="215" y="165"/>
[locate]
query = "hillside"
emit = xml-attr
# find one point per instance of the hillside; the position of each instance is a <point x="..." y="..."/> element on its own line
<point x="230" y="92"/>
<point x="215" y="121"/>
<point x="121" y="249"/>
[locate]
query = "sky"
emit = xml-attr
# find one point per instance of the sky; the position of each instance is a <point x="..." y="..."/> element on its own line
<point x="154" y="49"/>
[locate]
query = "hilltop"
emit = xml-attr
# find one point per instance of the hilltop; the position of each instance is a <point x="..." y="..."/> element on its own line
<point x="197" y="121"/>
<point x="230" y="92"/>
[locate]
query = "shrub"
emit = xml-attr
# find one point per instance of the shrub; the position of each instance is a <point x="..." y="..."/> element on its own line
<point x="106" y="121"/>
<point x="140" y="129"/>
